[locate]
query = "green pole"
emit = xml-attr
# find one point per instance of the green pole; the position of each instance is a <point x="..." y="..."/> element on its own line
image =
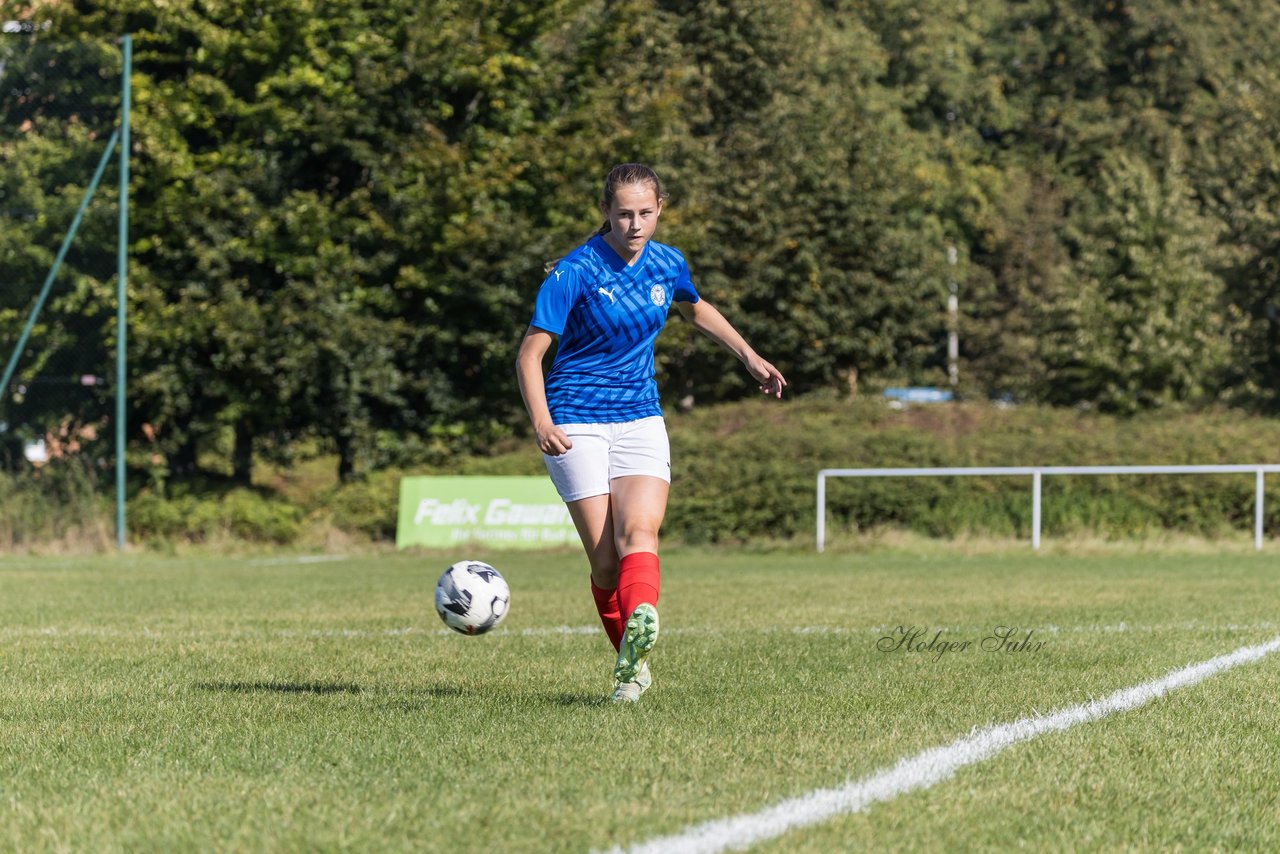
<point x="122" y="273"/>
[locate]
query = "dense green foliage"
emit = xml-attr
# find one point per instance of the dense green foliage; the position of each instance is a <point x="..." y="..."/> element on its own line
<point x="341" y="210"/>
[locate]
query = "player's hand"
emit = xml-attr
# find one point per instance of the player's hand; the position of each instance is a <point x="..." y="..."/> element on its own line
<point x="770" y="378"/>
<point x="552" y="440"/>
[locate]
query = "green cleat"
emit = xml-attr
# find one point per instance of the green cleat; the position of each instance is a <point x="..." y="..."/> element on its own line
<point x="644" y="679"/>
<point x="638" y="639"/>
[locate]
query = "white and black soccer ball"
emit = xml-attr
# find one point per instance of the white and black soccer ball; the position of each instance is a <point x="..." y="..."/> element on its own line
<point x="472" y="597"/>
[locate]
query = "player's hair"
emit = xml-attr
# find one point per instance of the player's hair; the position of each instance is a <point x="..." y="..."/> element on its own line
<point x="622" y="175"/>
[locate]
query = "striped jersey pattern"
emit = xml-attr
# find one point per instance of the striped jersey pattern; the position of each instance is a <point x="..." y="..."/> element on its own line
<point x="608" y="315"/>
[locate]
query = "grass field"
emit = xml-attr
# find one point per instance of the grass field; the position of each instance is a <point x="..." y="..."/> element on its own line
<point x="281" y="703"/>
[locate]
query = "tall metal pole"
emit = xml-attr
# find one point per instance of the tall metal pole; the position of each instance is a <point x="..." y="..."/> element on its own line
<point x="122" y="280"/>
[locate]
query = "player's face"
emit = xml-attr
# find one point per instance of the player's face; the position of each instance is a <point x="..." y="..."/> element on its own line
<point x="633" y="218"/>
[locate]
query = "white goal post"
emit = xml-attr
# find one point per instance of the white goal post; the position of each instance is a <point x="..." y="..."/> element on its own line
<point x="1037" y="473"/>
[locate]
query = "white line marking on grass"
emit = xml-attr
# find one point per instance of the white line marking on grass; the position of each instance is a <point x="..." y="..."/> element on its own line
<point x="285" y="561"/>
<point x="929" y="767"/>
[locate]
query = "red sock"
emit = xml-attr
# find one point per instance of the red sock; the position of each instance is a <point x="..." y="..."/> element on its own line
<point x="637" y="581"/>
<point x="610" y="615"/>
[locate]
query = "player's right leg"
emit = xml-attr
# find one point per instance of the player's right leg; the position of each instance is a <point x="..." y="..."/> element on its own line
<point x="594" y="521"/>
<point x="581" y="477"/>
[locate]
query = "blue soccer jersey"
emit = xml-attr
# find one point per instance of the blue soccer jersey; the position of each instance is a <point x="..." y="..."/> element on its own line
<point x="607" y="314"/>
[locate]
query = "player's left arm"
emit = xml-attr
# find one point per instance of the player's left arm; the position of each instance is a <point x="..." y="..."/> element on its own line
<point x="710" y="322"/>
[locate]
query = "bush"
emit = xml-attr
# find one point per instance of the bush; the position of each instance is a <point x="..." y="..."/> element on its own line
<point x="57" y="503"/>
<point x="747" y="471"/>
<point x="241" y="514"/>
<point x="367" y="507"/>
<point x="750" y="470"/>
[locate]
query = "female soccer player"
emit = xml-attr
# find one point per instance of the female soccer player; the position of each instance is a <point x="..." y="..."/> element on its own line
<point x="596" y="415"/>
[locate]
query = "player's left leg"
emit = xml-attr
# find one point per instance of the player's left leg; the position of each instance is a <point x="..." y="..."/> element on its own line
<point x="639" y="480"/>
<point x="639" y="504"/>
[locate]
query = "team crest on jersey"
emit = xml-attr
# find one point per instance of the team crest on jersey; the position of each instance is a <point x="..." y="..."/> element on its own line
<point x="658" y="295"/>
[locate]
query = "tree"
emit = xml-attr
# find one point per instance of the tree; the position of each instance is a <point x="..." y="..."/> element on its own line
<point x="1149" y="323"/>
<point x="56" y="113"/>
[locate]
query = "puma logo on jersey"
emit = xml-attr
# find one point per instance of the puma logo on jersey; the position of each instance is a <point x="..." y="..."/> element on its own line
<point x="609" y="294"/>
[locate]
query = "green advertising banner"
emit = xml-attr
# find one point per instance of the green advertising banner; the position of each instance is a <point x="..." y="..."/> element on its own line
<point x="497" y="512"/>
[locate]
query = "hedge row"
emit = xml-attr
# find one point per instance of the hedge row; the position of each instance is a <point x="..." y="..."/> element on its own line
<point x="748" y="472"/>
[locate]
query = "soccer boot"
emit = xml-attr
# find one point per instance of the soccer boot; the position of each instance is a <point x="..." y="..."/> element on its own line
<point x="644" y="679"/>
<point x="638" y="638"/>
<point x="629" y="692"/>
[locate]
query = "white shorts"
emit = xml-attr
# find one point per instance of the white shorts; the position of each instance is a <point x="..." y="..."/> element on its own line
<point x="602" y="452"/>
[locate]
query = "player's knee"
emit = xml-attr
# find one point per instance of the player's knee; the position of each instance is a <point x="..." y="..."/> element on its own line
<point x="638" y="538"/>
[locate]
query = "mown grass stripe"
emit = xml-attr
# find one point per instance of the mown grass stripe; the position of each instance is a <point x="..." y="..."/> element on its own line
<point x="930" y="767"/>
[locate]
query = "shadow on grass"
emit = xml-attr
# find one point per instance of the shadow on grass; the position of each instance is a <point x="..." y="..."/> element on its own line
<point x="438" y="691"/>
<point x="580" y="699"/>
<point x="412" y="699"/>
<point x="281" y="687"/>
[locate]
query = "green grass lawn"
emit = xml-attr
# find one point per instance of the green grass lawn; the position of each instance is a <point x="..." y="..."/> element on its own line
<point x="152" y="703"/>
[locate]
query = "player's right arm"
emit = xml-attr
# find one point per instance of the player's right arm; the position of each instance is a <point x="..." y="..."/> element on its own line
<point x="533" y="349"/>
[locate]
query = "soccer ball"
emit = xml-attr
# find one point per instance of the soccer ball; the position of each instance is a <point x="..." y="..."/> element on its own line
<point x="472" y="597"/>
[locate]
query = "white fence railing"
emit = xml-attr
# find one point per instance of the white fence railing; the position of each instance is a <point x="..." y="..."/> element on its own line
<point x="1036" y="474"/>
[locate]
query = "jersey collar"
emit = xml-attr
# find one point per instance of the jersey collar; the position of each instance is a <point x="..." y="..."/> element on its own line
<point x="614" y="261"/>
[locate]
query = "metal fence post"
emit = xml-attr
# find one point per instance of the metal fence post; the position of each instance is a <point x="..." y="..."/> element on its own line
<point x="822" y="509"/>
<point x="1035" y="509"/>
<point x="1257" y="513"/>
